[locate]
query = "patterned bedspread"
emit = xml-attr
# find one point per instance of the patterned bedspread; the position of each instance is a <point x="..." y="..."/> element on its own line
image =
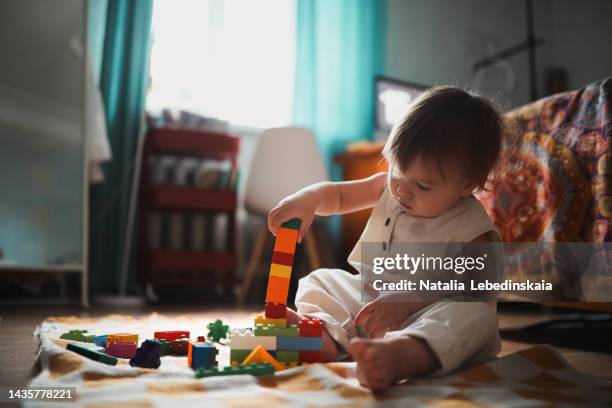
<point x="537" y="376"/>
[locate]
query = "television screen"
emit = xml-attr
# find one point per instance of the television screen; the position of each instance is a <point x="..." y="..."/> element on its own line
<point x="393" y="98"/>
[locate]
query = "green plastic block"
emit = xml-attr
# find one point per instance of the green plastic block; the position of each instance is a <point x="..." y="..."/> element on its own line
<point x="78" y="335"/>
<point x="288" y="356"/>
<point x="252" y="369"/>
<point x="92" y="354"/>
<point x="239" y="355"/>
<point x="293" y="224"/>
<point x="164" y="347"/>
<point x="272" y="330"/>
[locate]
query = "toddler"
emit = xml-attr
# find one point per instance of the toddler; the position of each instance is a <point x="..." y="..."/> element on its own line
<point x="446" y="146"/>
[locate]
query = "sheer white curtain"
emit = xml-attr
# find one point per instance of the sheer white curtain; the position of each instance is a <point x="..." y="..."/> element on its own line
<point x="232" y="60"/>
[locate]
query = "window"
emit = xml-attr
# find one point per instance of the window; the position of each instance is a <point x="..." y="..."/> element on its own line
<point x="232" y="60"/>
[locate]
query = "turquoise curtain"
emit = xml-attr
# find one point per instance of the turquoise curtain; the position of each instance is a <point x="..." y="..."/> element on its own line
<point x="340" y="49"/>
<point x="124" y="77"/>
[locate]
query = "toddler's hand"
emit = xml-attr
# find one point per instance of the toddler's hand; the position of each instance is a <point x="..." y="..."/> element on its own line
<point x="379" y="317"/>
<point x="294" y="206"/>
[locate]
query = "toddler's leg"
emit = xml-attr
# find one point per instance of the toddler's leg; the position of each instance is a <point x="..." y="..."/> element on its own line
<point x="436" y="340"/>
<point x="334" y="296"/>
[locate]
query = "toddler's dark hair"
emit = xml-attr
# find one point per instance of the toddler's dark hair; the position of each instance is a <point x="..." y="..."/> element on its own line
<point x="447" y="123"/>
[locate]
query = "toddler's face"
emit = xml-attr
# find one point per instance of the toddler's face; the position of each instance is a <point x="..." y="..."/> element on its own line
<point x="423" y="191"/>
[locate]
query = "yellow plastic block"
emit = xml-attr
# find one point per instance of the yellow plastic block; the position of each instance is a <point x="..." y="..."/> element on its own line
<point x="259" y="319"/>
<point x="286" y="239"/>
<point x="127" y="337"/>
<point x="259" y="355"/>
<point x="280" y="271"/>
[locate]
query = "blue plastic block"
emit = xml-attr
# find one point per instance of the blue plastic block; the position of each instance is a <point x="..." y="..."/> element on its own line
<point x="100" y="341"/>
<point x="203" y="355"/>
<point x="287" y="343"/>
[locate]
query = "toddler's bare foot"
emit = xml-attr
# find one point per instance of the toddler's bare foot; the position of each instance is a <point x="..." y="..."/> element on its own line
<point x="330" y="349"/>
<point x="382" y="362"/>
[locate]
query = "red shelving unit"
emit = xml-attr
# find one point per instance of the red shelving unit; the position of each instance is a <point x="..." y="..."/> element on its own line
<point x="164" y="266"/>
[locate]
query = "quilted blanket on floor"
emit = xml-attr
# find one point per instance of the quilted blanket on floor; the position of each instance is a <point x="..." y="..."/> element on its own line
<point x="538" y="376"/>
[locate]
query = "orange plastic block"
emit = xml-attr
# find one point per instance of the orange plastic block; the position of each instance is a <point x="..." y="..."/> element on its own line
<point x="259" y="355"/>
<point x="278" y="290"/>
<point x="124" y="337"/>
<point x="286" y="239"/>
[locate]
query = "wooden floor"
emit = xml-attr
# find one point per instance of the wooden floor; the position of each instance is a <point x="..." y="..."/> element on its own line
<point x="17" y="345"/>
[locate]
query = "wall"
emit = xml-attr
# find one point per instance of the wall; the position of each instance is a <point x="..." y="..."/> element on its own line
<point x="437" y="41"/>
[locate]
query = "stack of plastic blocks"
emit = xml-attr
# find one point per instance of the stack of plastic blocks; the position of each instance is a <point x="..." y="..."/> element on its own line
<point x="202" y="355"/>
<point x="290" y="345"/>
<point x="173" y="342"/>
<point x="282" y="263"/>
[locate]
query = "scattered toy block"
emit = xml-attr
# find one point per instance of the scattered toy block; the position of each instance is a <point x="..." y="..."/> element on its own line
<point x="92" y="354"/>
<point x="290" y="365"/>
<point x="292" y="224"/>
<point x="78" y="335"/>
<point x="121" y="349"/>
<point x="280" y="271"/>
<point x="310" y="328"/>
<point x="165" y="347"/>
<point x="252" y="369"/>
<point x="260" y="355"/>
<point x="308" y="357"/>
<point x="147" y="355"/>
<point x="288" y="356"/>
<point x="287" y="343"/>
<point x="278" y="289"/>
<point x="202" y="355"/>
<point x="246" y="340"/>
<point x="123" y="337"/>
<point x="259" y="319"/>
<point x="282" y="258"/>
<point x="179" y="347"/>
<point x="271" y="330"/>
<point x="201" y="339"/>
<point x="275" y="311"/>
<point x="217" y="330"/>
<point x="170" y="336"/>
<point x="286" y="240"/>
<point x="100" y="341"/>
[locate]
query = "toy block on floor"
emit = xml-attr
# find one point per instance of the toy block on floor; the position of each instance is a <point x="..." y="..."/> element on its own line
<point x="275" y="311"/>
<point x="278" y="290"/>
<point x="259" y="319"/>
<point x="92" y="354"/>
<point x="78" y="335"/>
<point x="172" y="335"/>
<point x="100" y="341"/>
<point x="310" y="328"/>
<point x="121" y="349"/>
<point x="179" y="347"/>
<point x="286" y="343"/>
<point x="246" y="340"/>
<point x="202" y="355"/>
<point x="123" y="337"/>
<point x="260" y="355"/>
<point x="271" y="330"/>
<point x="217" y="330"/>
<point x="252" y="369"/>
<point x="147" y="355"/>
<point x="280" y="271"/>
<point x="164" y="347"/>
<point x="308" y="357"/>
<point x="288" y="356"/>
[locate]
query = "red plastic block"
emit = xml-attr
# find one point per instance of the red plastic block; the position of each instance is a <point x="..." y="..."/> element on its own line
<point x="170" y="336"/>
<point x="310" y="328"/>
<point x="282" y="258"/>
<point x="311" y="357"/>
<point x="275" y="311"/>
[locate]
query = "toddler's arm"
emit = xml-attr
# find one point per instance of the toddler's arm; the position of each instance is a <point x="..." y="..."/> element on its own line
<point x="327" y="198"/>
